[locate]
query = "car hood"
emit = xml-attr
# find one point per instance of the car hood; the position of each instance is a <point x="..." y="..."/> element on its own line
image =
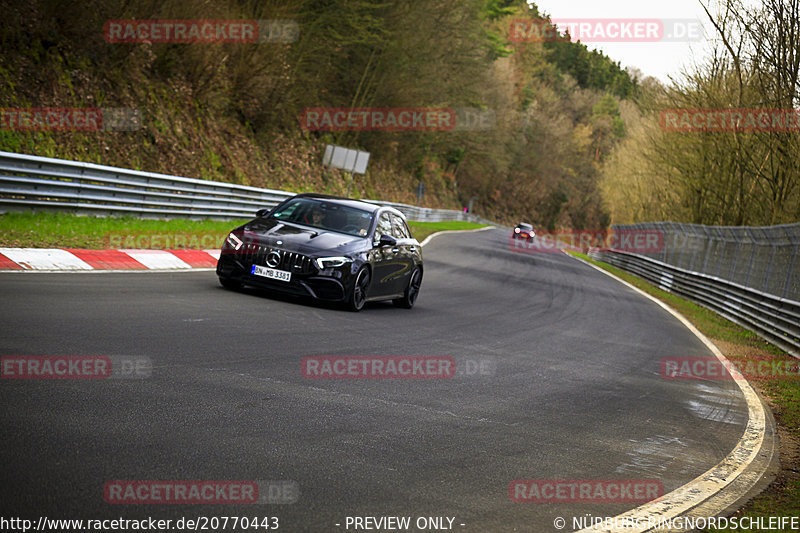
<point x="296" y="238"/>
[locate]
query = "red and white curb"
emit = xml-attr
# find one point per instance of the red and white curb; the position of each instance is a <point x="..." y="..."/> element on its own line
<point x="58" y="259"/>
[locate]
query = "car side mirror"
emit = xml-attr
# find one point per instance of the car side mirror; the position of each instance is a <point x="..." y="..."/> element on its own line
<point x="387" y="240"/>
<point x="263" y="212"/>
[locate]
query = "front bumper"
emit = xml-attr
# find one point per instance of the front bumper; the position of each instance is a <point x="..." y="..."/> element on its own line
<point x="229" y="266"/>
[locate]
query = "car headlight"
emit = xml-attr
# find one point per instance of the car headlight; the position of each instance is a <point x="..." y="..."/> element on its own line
<point x="232" y="241"/>
<point x="516" y="230"/>
<point x="331" y="262"/>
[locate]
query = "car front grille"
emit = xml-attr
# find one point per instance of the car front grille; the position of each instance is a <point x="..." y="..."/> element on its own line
<point x="257" y="254"/>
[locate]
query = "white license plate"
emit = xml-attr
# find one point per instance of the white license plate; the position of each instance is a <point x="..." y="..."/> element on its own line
<point x="271" y="273"/>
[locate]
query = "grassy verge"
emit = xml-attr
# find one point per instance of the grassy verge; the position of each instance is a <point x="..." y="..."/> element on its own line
<point x="782" y="497"/>
<point x="56" y="230"/>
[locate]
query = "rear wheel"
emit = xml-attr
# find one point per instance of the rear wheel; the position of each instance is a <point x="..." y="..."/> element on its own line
<point x="412" y="291"/>
<point x="231" y="284"/>
<point x="358" y="294"/>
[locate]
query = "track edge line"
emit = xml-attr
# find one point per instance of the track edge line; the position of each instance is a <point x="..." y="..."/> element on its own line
<point x="698" y="493"/>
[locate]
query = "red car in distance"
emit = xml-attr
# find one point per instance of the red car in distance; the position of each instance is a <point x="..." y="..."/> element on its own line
<point x="523" y="231"/>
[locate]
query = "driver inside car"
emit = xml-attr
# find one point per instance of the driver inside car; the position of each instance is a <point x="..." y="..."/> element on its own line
<point x="316" y="218"/>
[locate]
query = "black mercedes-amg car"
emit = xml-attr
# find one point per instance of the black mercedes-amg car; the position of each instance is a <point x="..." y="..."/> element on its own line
<point x="328" y="248"/>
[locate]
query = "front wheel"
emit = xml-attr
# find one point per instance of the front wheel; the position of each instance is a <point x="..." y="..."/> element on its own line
<point x="358" y="294"/>
<point x="412" y="291"/>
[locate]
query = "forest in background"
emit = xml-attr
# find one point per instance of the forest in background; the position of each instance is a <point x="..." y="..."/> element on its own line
<point x="729" y="178"/>
<point x="573" y="142"/>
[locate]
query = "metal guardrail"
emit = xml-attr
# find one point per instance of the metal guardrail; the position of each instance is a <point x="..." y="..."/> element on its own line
<point x="428" y="214"/>
<point x="28" y="181"/>
<point x="774" y="318"/>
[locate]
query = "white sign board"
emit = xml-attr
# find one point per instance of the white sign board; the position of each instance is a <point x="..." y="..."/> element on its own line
<point x="346" y="159"/>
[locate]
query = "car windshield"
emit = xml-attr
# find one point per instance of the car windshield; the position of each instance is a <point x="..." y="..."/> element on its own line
<point x="525" y="226"/>
<point x="325" y="215"/>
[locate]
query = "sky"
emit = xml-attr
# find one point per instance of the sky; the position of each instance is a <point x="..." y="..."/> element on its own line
<point x="658" y="59"/>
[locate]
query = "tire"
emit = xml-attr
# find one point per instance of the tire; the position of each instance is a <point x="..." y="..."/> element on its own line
<point x="412" y="291"/>
<point x="358" y="294"/>
<point x="231" y="284"/>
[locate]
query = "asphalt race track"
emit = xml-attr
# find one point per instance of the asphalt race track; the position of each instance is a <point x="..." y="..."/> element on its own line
<point x="568" y="387"/>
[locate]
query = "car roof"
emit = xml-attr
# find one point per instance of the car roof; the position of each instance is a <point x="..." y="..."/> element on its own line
<point x="349" y="202"/>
